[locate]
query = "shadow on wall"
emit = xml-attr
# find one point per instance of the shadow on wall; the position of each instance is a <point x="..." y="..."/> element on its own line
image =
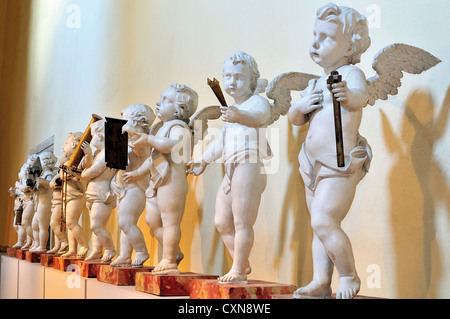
<point x="295" y="202"/>
<point x="14" y="36"/>
<point x="417" y="185"/>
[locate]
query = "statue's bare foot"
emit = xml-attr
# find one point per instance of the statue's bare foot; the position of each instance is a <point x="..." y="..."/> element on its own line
<point x="180" y="257"/>
<point x="108" y="255"/>
<point x="233" y="277"/>
<point x="121" y="262"/>
<point x="83" y="251"/>
<point x="166" y="267"/>
<point x="348" y="287"/>
<point x="27" y="246"/>
<point x="139" y="259"/>
<point x="64" y="248"/>
<point x="16" y="246"/>
<point x="313" y="290"/>
<point x="69" y="254"/>
<point x="248" y="268"/>
<point x="41" y="250"/>
<point x="54" y="250"/>
<point x="94" y="256"/>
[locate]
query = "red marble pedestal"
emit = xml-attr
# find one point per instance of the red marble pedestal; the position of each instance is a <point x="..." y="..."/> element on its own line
<point x="47" y="259"/>
<point x="20" y="254"/>
<point x="168" y="285"/>
<point x="61" y="263"/>
<point x="120" y="276"/>
<point x="255" y="289"/>
<point x="90" y="269"/>
<point x="33" y="257"/>
<point x="11" y="252"/>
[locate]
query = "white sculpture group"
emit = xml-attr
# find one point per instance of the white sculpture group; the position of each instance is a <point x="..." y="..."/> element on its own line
<point x="160" y="159"/>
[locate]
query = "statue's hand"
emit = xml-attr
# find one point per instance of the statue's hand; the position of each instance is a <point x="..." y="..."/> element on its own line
<point x="139" y="140"/>
<point x="196" y="167"/>
<point x="340" y="92"/>
<point x="311" y="100"/>
<point x="86" y="148"/>
<point x="230" y="114"/>
<point x="130" y="177"/>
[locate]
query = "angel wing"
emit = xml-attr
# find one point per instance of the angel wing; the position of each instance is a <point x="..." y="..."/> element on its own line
<point x="199" y="121"/>
<point x="279" y="90"/>
<point x="390" y="63"/>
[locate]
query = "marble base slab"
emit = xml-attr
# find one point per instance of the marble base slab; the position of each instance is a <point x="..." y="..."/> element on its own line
<point x="61" y="263"/>
<point x="47" y="259"/>
<point x="33" y="257"/>
<point x="167" y="285"/>
<point x="120" y="276"/>
<point x="11" y="252"/>
<point x="255" y="289"/>
<point x="20" y="254"/>
<point x="90" y="269"/>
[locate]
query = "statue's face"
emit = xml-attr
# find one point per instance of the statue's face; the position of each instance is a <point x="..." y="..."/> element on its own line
<point x="131" y="127"/>
<point x="97" y="140"/>
<point x="69" y="146"/>
<point x="237" y="80"/>
<point x="330" y="48"/>
<point x="46" y="161"/>
<point x="166" y="107"/>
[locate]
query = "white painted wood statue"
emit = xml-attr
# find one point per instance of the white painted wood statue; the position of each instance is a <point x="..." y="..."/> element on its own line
<point x="41" y="220"/>
<point x="340" y="37"/>
<point x="242" y="147"/>
<point x="73" y="201"/>
<point x="17" y="195"/>
<point x="100" y="198"/>
<point x="171" y="148"/>
<point x="131" y="196"/>
<point x="61" y="245"/>
<point x="26" y="186"/>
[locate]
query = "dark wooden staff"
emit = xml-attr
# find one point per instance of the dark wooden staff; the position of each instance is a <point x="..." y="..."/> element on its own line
<point x="215" y="86"/>
<point x="335" y="77"/>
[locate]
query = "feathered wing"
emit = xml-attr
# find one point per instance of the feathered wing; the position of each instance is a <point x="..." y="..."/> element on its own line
<point x="279" y="90"/>
<point x="390" y="63"/>
<point x="199" y="121"/>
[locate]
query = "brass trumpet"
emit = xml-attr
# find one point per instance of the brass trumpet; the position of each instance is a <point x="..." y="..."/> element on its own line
<point x="78" y="153"/>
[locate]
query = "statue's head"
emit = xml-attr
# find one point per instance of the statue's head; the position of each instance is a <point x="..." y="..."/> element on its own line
<point x="353" y="25"/>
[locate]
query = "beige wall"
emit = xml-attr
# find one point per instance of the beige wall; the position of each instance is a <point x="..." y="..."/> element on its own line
<point x="123" y="52"/>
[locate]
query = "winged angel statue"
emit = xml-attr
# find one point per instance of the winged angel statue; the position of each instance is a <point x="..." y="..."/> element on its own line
<point x="330" y="188"/>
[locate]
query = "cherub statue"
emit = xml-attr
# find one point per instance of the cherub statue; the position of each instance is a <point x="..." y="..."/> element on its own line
<point x="73" y="200"/>
<point x="27" y="186"/>
<point x="17" y="195"/>
<point x="243" y="147"/>
<point x="100" y="198"/>
<point x="41" y="220"/>
<point x="61" y="245"/>
<point x="131" y="196"/>
<point x="171" y="149"/>
<point x="340" y="37"/>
